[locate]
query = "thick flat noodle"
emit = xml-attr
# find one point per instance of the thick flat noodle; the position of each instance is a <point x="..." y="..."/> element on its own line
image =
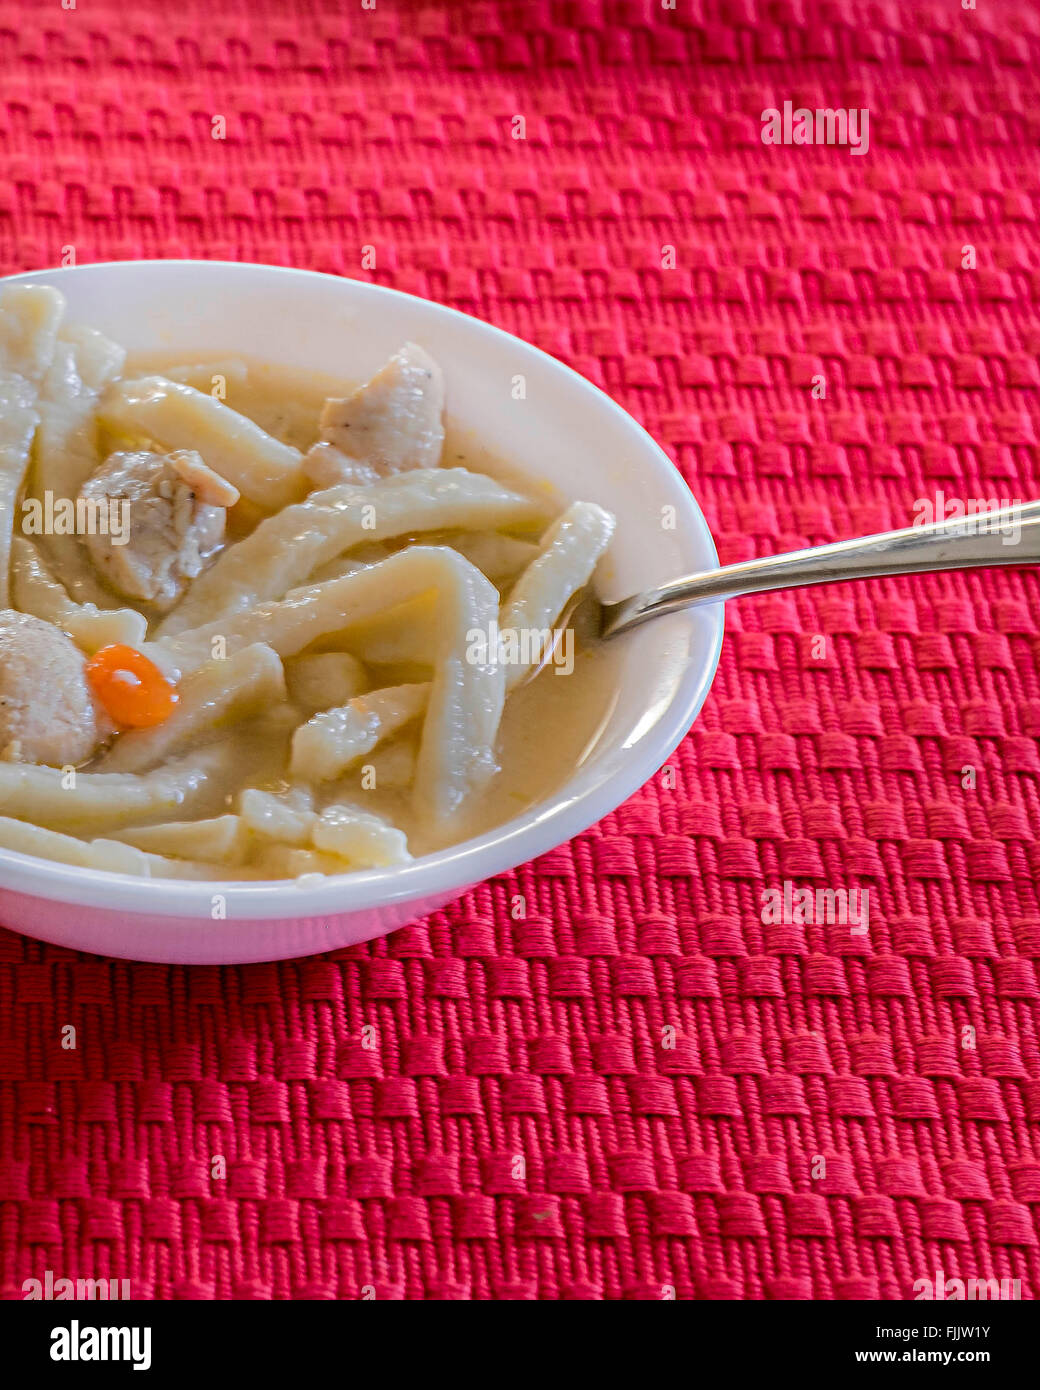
<point x="264" y="470"/>
<point x="84" y="363"/>
<point x="327" y="744"/>
<point x="288" y="818"/>
<point x="114" y="856"/>
<point x="100" y="801"/>
<point x="30" y="316"/>
<point x="222" y="840"/>
<point x="66" y="849"/>
<point x="456" y="754"/>
<point x="569" y="553"/>
<point x="18" y="422"/>
<point x="35" y="590"/>
<point x="286" y="549"/>
<point x="365" y="841"/>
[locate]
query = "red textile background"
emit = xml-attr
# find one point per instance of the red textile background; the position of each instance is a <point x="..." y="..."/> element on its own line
<point x="839" y="1115"/>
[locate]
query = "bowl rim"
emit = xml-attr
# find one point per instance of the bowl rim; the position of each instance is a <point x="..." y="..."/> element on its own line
<point x="446" y="872"/>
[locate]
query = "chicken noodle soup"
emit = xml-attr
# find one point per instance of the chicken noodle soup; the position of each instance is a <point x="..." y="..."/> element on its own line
<point x="258" y="625"/>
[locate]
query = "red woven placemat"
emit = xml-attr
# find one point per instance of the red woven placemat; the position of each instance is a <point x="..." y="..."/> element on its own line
<point x="640" y="1089"/>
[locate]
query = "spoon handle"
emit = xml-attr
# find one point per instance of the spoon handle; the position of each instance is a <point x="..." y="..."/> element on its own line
<point x="1008" y="536"/>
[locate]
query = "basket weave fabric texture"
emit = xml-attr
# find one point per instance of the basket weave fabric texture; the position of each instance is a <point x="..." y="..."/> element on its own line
<point x="632" y="1086"/>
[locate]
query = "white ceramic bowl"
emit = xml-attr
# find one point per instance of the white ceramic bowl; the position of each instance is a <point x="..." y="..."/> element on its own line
<point x="565" y="430"/>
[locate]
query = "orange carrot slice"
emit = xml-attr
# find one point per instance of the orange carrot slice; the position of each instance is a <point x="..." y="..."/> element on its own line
<point x="131" y="688"/>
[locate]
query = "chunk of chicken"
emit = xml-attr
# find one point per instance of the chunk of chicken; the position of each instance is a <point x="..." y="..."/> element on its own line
<point x="389" y="425"/>
<point x="175" y="509"/>
<point x="47" y="713"/>
<point x="326" y="466"/>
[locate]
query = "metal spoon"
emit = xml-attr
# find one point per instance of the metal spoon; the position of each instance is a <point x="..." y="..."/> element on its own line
<point x="971" y="542"/>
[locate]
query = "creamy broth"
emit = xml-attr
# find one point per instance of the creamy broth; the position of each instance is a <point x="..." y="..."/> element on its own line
<point x="257" y="623"/>
<point x="549" y="726"/>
